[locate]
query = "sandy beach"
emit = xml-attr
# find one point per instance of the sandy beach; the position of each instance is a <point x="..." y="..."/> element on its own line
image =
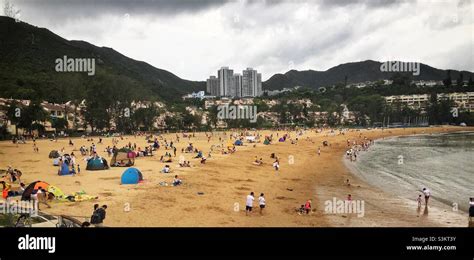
<point x="213" y="194"/>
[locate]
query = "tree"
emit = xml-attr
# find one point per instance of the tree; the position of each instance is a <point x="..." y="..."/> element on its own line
<point x="440" y="111"/>
<point x="367" y="106"/>
<point x="447" y="81"/>
<point x="433" y="109"/>
<point x="212" y="116"/>
<point x="59" y="123"/>
<point x="445" y="114"/>
<point x="145" y="117"/>
<point x="14" y="111"/>
<point x="32" y="116"/>
<point x="99" y="102"/>
<point x="9" y="10"/>
<point x="261" y="106"/>
<point x="460" y="80"/>
<point x="190" y="120"/>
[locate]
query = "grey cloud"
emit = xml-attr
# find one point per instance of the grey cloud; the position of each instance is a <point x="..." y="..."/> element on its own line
<point x="366" y="3"/>
<point x="264" y="34"/>
<point x="67" y="9"/>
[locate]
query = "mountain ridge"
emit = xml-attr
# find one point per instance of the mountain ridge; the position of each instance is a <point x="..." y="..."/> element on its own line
<point x="358" y="71"/>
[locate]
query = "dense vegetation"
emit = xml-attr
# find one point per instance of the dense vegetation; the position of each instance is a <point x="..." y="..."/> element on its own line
<point x="27" y="69"/>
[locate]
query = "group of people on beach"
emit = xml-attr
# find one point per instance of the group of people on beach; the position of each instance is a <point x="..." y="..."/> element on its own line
<point x="275" y="164"/>
<point x="249" y="203"/>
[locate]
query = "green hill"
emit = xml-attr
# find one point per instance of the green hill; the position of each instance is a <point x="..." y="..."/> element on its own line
<point x="27" y="69"/>
<point x="355" y="71"/>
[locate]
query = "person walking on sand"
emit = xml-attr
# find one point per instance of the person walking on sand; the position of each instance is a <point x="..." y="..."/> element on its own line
<point x="427" y="195"/>
<point x="419" y="201"/>
<point x="276" y="165"/>
<point x="249" y="203"/>
<point x="261" y="202"/>
<point x="319" y="151"/>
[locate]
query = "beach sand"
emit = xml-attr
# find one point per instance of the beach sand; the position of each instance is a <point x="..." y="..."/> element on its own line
<point x="226" y="180"/>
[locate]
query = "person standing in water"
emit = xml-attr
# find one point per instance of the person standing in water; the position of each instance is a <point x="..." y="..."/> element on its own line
<point x="427" y="195"/>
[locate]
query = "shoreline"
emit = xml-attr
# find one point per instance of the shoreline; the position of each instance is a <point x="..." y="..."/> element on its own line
<point x="357" y="173"/>
<point x="405" y="214"/>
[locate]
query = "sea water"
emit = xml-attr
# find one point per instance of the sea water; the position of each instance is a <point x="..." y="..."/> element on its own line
<point x="403" y="166"/>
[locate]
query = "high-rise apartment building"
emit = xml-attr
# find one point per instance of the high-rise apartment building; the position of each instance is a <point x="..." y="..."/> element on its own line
<point x="228" y="84"/>
<point x="225" y="76"/>
<point x="212" y="86"/>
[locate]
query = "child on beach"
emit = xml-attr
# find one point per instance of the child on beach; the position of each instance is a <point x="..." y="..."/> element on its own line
<point x="276" y="165"/>
<point x="301" y="210"/>
<point x="261" y="202"/>
<point x="419" y="201"/>
<point x="176" y="181"/>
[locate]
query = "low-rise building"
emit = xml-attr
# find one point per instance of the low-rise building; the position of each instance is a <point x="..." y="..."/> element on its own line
<point x="462" y="100"/>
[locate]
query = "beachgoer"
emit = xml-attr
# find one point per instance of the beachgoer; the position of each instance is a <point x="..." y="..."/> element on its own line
<point x="419" y="201"/>
<point x="98" y="216"/>
<point x="249" y="203"/>
<point x="427" y="195"/>
<point x="41" y="196"/>
<point x="261" y="202"/>
<point x="307" y="206"/>
<point x="166" y="169"/>
<point x="276" y="165"/>
<point x="301" y="210"/>
<point x="176" y="181"/>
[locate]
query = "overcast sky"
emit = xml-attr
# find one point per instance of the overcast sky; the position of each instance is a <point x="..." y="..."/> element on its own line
<point x="194" y="38"/>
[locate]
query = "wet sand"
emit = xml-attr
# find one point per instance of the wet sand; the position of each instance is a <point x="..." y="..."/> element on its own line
<point x="225" y="180"/>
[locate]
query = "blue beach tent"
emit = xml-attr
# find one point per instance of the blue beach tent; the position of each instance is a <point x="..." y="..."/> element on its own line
<point x="131" y="176"/>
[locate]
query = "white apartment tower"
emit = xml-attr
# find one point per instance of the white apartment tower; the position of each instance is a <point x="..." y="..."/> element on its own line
<point x="251" y="83"/>
<point x="225" y="76"/>
<point x="237" y="87"/>
<point x="212" y="86"/>
<point x="258" y="91"/>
